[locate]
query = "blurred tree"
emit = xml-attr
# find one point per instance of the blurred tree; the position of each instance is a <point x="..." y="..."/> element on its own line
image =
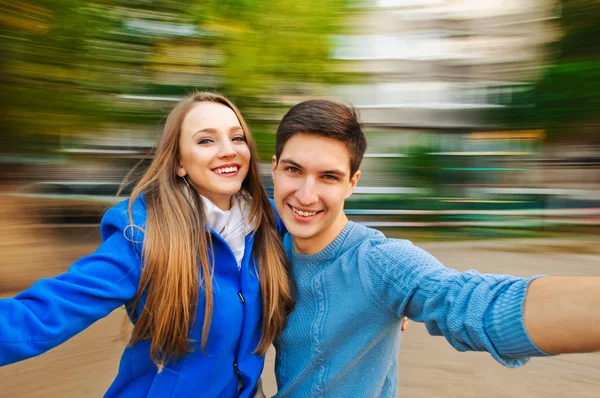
<point x="565" y="100"/>
<point x="61" y="61"/>
<point x="272" y="52"/>
<point x="65" y="62"/>
<point x="423" y="166"/>
<point x="269" y="45"/>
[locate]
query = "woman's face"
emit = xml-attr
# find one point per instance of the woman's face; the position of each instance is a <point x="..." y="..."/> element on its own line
<point x="214" y="155"/>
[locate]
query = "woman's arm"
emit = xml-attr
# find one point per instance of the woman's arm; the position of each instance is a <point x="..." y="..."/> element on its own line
<point x="53" y="310"/>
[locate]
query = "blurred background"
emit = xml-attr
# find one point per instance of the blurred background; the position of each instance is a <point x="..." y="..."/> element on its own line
<point x="482" y="118"/>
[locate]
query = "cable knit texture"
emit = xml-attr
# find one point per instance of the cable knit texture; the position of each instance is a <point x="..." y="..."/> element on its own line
<point x="343" y="337"/>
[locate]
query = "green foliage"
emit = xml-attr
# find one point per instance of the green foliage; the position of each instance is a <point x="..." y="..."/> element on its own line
<point x="60" y="59"/>
<point x="422" y="164"/>
<point x="569" y="93"/>
<point x="271" y="45"/>
<point x="64" y="62"/>
<point x="580" y="20"/>
<point x="565" y="100"/>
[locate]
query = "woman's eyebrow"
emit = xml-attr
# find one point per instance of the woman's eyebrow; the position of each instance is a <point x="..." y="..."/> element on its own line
<point x="209" y="130"/>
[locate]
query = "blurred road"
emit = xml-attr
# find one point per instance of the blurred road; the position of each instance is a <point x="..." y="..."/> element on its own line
<point x="428" y="367"/>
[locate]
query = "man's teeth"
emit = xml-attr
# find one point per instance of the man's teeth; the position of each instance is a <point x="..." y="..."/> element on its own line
<point x="304" y="213"/>
<point x="226" y="170"/>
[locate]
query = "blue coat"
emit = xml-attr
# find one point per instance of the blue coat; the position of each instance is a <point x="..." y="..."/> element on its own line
<point x="53" y="310"/>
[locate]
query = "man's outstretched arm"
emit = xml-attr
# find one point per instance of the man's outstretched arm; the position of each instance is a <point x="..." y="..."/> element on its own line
<point x="562" y="314"/>
<point x="486" y="312"/>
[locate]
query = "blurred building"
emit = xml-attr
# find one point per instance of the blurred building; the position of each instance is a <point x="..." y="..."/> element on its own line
<point x="435" y="67"/>
<point x="436" y="63"/>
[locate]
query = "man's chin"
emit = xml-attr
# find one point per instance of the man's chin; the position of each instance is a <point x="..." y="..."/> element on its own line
<point x="299" y="232"/>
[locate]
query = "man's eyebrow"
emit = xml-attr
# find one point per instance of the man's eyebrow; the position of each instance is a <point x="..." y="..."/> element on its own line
<point x="336" y="172"/>
<point x="290" y="161"/>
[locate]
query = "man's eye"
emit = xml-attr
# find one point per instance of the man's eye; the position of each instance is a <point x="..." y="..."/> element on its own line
<point x="292" y="169"/>
<point x="330" y="177"/>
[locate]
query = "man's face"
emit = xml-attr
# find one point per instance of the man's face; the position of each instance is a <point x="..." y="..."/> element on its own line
<point x="311" y="182"/>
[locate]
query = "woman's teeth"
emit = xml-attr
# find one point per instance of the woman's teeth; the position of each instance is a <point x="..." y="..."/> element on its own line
<point x="226" y="170"/>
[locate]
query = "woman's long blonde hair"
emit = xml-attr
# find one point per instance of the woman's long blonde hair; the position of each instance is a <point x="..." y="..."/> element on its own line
<point x="176" y="249"/>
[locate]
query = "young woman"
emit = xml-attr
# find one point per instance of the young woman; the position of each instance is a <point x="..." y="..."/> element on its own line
<point x="195" y="256"/>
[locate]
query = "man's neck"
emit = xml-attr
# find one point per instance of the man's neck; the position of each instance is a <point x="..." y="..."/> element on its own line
<point x="319" y="242"/>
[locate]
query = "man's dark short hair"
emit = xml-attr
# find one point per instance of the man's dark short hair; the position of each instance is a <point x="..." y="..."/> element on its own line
<point x="327" y="119"/>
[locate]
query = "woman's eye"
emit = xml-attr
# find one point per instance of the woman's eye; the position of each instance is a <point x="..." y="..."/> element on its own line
<point x="239" y="138"/>
<point x="205" y="141"/>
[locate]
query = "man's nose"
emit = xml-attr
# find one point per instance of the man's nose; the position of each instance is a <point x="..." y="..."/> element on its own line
<point x="306" y="193"/>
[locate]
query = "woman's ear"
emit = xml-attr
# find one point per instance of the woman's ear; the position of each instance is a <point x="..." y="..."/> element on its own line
<point x="181" y="171"/>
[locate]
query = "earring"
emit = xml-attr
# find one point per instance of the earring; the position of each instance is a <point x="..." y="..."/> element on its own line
<point x="186" y="182"/>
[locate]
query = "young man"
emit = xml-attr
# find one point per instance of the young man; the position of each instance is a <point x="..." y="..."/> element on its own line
<point x="354" y="286"/>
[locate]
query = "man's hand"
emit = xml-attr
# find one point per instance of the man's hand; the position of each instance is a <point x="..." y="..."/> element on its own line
<point x="562" y="314"/>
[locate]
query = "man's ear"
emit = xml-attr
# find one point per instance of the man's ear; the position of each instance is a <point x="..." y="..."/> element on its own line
<point x="273" y="166"/>
<point x="353" y="182"/>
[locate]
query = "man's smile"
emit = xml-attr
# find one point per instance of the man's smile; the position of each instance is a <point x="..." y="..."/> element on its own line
<point x="303" y="215"/>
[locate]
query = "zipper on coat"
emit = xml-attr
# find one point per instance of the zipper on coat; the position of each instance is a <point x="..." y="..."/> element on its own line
<point x="241" y="384"/>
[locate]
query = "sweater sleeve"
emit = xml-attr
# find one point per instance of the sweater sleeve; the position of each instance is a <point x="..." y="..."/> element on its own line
<point x="473" y="311"/>
<point x="53" y="310"/>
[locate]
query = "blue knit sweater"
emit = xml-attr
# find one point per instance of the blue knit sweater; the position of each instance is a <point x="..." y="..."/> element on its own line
<point x="343" y="337"/>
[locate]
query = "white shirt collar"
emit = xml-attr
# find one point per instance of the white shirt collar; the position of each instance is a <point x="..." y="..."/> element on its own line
<point x="233" y="224"/>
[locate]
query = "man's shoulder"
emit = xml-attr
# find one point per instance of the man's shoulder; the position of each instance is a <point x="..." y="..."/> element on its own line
<point x="374" y="244"/>
<point x="390" y="256"/>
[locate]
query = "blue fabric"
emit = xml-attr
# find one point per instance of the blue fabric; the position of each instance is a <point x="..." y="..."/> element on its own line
<point x="53" y="310"/>
<point x="343" y="337"/>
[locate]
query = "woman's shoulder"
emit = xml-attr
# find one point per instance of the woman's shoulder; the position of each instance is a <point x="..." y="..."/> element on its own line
<point x="279" y="225"/>
<point x="117" y="218"/>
